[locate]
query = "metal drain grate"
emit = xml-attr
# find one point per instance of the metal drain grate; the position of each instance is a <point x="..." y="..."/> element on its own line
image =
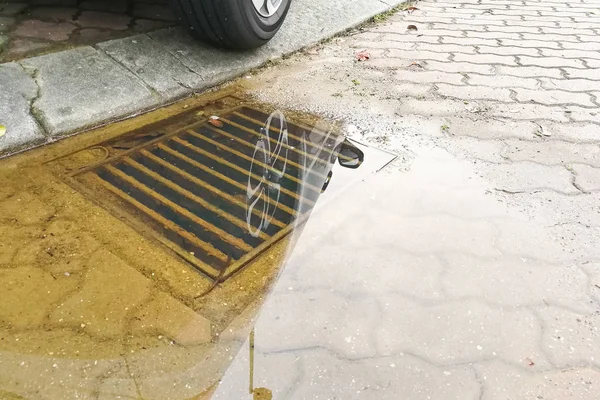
<point x="217" y="192"/>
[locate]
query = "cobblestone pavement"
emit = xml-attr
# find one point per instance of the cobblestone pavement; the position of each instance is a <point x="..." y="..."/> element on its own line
<point x="28" y="28"/>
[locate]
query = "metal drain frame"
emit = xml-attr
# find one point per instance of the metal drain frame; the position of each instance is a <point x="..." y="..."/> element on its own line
<point x="127" y="211"/>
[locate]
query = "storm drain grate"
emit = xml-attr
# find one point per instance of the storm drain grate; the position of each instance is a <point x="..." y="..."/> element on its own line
<point x="218" y="192"/>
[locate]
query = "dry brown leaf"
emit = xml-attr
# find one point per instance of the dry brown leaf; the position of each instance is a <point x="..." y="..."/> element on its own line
<point x="214" y="121"/>
<point x="412" y="28"/>
<point x="411" y="9"/>
<point x="363" y="56"/>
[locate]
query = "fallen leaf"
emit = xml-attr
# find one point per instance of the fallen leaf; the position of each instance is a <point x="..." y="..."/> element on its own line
<point x="415" y="64"/>
<point x="363" y="56"/>
<point x="411" y="9"/>
<point x="356" y="82"/>
<point x="412" y="28"/>
<point x="214" y="121"/>
<point x="2" y="130"/>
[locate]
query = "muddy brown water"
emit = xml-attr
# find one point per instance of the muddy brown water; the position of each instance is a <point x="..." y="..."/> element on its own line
<point x="113" y="280"/>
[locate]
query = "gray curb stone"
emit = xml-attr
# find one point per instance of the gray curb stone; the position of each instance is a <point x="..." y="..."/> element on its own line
<point x="17" y="91"/>
<point x="86" y="87"/>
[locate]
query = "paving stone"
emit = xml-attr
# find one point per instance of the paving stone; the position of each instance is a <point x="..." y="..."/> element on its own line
<point x="55" y="14"/>
<point x="527" y="176"/>
<point x="385" y="378"/>
<point x="430" y="77"/>
<point x="30" y="294"/>
<point x="491" y="128"/>
<point x="531" y="44"/>
<point x="474" y="92"/>
<point x="458" y="332"/>
<point x="173" y="319"/>
<point x="384" y="44"/>
<point x="470" y="148"/>
<point x="563" y="244"/>
<point x="65" y="105"/>
<point x="418" y="55"/>
<point x="18" y="89"/>
<point x="571" y="339"/>
<point x="547" y="37"/>
<point x="553" y="152"/>
<point x="37" y="29"/>
<point x="516" y="282"/>
<point x="550" y="62"/>
<point x="587" y="177"/>
<point x="529" y="71"/>
<point x="470" y="41"/>
<point x="530" y="112"/>
<point x="19" y="47"/>
<point x="578" y="133"/>
<point x="554" y="97"/>
<point x="502" y="381"/>
<point x="446" y="48"/>
<point x="415" y="276"/>
<point x="459" y="67"/>
<point x="503" y="81"/>
<point x="493" y="35"/>
<point x="573" y="85"/>
<point x="99" y="19"/>
<point x="353" y="321"/>
<point x="100" y="307"/>
<point x="485" y="59"/>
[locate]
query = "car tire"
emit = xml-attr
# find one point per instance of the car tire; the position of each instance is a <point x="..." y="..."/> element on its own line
<point x="236" y="24"/>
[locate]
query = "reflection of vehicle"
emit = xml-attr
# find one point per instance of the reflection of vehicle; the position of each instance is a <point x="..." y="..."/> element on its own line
<point x="313" y="154"/>
<point x="241" y="24"/>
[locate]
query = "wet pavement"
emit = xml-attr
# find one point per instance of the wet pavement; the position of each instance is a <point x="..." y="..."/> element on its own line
<point x="30" y="28"/>
<point x="467" y="268"/>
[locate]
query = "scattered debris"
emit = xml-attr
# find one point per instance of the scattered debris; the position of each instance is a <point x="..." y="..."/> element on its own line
<point x="363" y="56"/>
<point x="314" y="51"/>
<point x="416" y="64"/>
<point x="2" y="130"/>
<point x="445" y="128"/>
<point x="214" y="121"/>
<point x="412" y="28"/>
<point x="410" y="9"/>
<point x="356" y="82"/>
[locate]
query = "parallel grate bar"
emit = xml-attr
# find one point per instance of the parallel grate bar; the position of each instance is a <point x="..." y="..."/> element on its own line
<point x="242" y="170"/>
<point x="247" y="144"/>
<point x="197" y="181"/>
<point x="174" y="152"/>
<point x="182" y="211"/>
<point x="241" y="155"/>
<point x="168" y="224"/>
<point x="186" y="193"/>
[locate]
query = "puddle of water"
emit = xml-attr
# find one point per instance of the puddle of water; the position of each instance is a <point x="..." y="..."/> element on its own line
<point x="387" y="284"/>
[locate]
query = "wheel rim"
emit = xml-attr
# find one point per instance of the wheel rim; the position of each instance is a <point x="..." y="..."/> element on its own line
<point x="267" y="8"/>
<point x="268" y="166"/>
